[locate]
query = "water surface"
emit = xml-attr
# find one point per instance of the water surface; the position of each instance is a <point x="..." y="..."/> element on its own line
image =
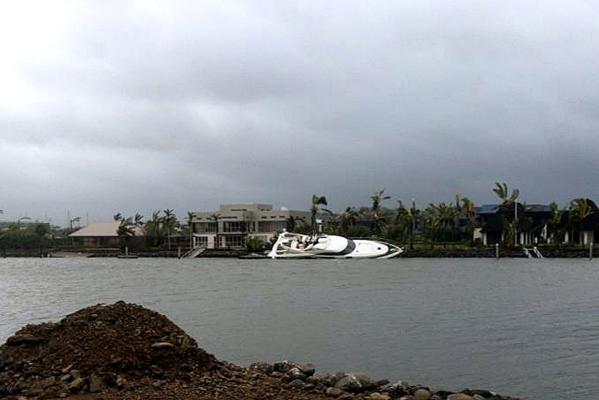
<point x="519" y="327"/>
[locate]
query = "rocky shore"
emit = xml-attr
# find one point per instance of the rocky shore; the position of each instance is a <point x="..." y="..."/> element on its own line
<point x="124" y="351"/>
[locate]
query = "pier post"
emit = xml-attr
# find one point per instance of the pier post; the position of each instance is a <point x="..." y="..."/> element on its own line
<point x="179" y="252"/>
<point x="497" y="251"/>
<point x="591" y="251"/>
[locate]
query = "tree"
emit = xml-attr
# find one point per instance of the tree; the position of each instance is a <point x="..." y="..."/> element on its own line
<point x="501" y="189"/>
<point x="190" y="216"/>
<point x="378" y="220"/>
<point x="509" y="220"/>
<point x="117" y="217"/>
<point x="153" y="229"/>
<point x="170" y="223"/>
<point x="406" y="220"/>
<point x="347" y="219"/>
<point x="126" y="230"/>
<point x="580" y="210"/>
<point x="317" y="201"/>
<point x="138" y="220"/>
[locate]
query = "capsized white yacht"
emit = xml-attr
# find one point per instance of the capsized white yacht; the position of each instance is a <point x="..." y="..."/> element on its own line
<point x="295" y="245"/>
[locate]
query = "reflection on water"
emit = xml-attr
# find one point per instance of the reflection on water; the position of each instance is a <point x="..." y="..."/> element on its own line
<point x="521" y="327"/>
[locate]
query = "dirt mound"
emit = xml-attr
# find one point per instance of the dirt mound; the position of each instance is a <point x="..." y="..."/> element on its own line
<point x="108" y="344"/>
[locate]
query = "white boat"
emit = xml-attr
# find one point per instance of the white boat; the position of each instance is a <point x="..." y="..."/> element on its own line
<point x="295" y="245"/>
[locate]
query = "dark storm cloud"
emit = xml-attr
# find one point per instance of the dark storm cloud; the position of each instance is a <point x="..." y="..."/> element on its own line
<point x="143" y="105"/>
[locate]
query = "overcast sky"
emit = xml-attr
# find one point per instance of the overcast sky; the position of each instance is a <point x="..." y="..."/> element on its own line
<point x="134" y="106"/>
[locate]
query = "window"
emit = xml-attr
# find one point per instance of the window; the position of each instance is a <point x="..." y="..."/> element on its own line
<point x="234" y="227"/>
<point x="205" y="227"/>
<point x="234" y="241"/>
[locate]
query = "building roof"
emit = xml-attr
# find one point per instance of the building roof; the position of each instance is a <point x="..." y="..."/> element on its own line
<point x="102" y="229"/>
<point x="488" y="209"/>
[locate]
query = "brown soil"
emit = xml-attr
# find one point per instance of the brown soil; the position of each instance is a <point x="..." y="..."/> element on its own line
<point x="124" y="351"/>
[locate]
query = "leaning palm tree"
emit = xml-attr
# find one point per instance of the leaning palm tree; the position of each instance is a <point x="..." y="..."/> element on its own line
<point x="138" y="220"/>
<point x="507" y="202"/>
<point x="126" y="230"/>
<point x="317" y="201"/>
<point x="378" y="219"/>
<point x="501" y="190"/>
<point x="347" y="219"/>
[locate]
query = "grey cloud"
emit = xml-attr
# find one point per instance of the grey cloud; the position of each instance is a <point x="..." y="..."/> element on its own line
<point x="188" y="104"/>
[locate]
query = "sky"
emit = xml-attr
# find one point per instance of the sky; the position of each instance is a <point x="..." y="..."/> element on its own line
<point x="116" y="106"/>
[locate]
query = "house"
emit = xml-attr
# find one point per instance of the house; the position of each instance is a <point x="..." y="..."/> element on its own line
<point x="101" y="234"/>
<point x="233" y="224"/>
<point x="494" y="220"/>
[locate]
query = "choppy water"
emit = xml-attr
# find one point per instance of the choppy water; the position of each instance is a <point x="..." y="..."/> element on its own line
<point x="520" y="327"/>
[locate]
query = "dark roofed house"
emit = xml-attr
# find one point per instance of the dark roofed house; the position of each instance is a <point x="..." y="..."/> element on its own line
<point x="532" y="223"/>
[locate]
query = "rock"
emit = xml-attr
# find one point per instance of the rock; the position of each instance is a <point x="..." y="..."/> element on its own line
<point x="355" y="382"/>
<point x="333" y="392"/>
<point x="349" y="383"/>
<point x="162" y="345"/>
<point x="478" y="397"/>
<point x="378" y="396"/>
<point x="282" y="366"/>
<point x="122" y="383"/>
<point x="66" y="378"/>
<point x="483" y="393"/>
<point x="77" y="385"/>
<point x="307" y="368"/>
<point x="76" y="373"/>
<point x="295" y="373"/>
<point x="422" y="394"/>
<point x="66" y="369"/>
<point x="263" y="367"/>
<point x="393" y="389"/>
<point x="96" y="384"/>
<point x="459" y="396"/>
<point x="408" y="397"/>
<point x="24" y="340"/>
<point x="297" y="383"/>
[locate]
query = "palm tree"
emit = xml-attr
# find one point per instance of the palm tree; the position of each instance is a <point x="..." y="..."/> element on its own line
<point x="377" y="218"/>
<point x="580" y="209"/>
<point x="190" y="216"/>
<point x="501" y="189"/>
<point x="555" y="222"/>
<point x="138" y="220"/>
<point x="153" y="228"/>
<point x="347" y="219"/>
<point x="170" y="223"/>
<point x="126" y="230"/>
<point x="317" y="201"/>
<point x="507" y="201"/>
<point x="117" y="217"/>
<point x="405" y="219"/>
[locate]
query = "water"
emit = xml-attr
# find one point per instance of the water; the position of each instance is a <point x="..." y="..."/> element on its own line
<point x="519" y="327"/>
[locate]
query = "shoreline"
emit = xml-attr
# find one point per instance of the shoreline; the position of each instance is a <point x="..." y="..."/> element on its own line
<point x="125" y="351"/>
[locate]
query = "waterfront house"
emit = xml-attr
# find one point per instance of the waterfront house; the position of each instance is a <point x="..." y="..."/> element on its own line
<point x="493" y="221"/>
<point x="233" y="224"/>
<point x="101" y="234"/>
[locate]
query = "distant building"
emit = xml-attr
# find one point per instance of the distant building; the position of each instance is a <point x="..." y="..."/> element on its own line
<point x="233" y="224"/>
<point x="101" y="234"/>
<point x="532" y="226"/>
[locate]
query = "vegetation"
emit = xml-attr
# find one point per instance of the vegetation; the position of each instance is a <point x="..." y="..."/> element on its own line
<point x="451" y="224"/>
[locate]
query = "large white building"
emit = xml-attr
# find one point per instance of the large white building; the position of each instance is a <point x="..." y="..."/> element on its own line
<point x="232" y="224"/>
